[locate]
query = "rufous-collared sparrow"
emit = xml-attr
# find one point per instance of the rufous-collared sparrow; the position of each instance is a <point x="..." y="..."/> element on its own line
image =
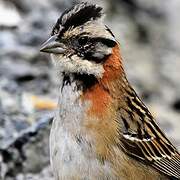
<point x="101" y="130"/>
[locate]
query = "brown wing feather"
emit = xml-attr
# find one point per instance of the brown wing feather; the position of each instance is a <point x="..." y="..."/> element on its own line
<point x="143" y="139"/>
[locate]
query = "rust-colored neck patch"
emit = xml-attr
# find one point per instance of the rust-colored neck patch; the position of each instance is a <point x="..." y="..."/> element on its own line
<point x="99" y="94"/>
<point x="113" y="66"/>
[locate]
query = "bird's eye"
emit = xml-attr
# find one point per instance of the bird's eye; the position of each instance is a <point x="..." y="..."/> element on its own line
<point x="83" y="40"/>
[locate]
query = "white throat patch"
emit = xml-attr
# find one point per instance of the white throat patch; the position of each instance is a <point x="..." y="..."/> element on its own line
<point x="74" y="64"/>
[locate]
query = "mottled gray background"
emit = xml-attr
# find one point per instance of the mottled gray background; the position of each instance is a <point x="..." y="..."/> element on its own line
<point x="149" y="35"/>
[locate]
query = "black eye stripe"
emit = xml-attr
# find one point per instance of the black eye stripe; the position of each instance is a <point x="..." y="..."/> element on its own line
<point x="87" y="48"/>
<point x="105" y="41"/>
<point x="87" y="39"/>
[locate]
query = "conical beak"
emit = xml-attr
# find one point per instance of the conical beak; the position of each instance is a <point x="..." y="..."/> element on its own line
<point x="53" y="46"/>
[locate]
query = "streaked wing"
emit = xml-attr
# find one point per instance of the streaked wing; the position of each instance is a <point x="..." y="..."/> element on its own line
<point x="143" y="139"/>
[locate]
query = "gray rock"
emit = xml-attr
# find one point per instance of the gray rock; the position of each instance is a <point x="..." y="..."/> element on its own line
<point x="24" y="153"/>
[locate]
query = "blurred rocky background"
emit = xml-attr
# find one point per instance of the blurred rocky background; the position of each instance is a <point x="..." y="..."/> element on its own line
<point x="149" y="35"/>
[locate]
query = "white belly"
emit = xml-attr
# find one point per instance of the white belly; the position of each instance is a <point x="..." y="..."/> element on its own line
<point x="71" y="150"/>
<point x="71" y="160"/>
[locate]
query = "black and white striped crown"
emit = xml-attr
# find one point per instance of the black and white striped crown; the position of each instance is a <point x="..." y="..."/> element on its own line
<point x="76" y="16"/>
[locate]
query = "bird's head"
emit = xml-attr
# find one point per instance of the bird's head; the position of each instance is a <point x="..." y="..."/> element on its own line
<point x="80" y="42"/>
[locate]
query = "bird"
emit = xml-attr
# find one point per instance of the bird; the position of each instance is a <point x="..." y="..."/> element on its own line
<point x="101" y="129"/>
